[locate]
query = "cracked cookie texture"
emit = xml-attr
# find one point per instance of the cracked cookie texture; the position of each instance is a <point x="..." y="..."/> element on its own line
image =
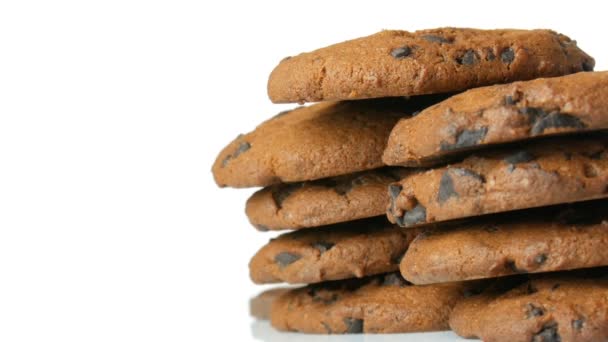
<point x="554" y="171"/>
<point x="381" y="304"/>
<point x="352" y="249"/>
<point x="401" y="63"/>
<point x="501" y="114"/>
<point x="565" y="307"/>
<point x="529" y="241"/>
<point x="319" y="141"/>
<point x="322" y="202"/>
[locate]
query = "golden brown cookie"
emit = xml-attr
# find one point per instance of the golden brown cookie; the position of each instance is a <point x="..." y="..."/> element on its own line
<point x="259" y="306"/>
<point x="529" y="241"/>
<point x="499" y="114"/>
<point x="380" y="304"/>
<point x="319" y="141"/>
<point x="557" y="308"/>
<point x="352" y="249"/>
<point x="543" y="173"/>
<point x="401" y="63"/>
<point x="322" y="202"/>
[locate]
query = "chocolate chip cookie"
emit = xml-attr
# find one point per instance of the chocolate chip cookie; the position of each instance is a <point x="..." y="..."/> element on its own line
<point x="352" y="249"/>
<point x="401" y="63"/>
<point x="322" y="202"/>
<point x="319" y="141"/>
<point x="259" y="306"/>
<point x="529" y="241"/>
<point x="501" y="114"/>
<point x="380" y="304"/>
<point x="557" y="308"/>
<point x="550" y="172"/>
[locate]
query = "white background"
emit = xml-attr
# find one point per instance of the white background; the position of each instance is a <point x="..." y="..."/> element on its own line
<point x="111" y="114"/>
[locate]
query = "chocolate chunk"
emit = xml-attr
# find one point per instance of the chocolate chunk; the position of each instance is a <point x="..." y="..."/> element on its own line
<point x="462" y="172"/>
<point x="466" y="138"/>
<point x="507" y="55"/>
<point x="353" y="325"/>
<point x="322" y="246"/>
<point x="285" y="258"/>
<point x="587" y="66"/>
<point x="436" y="39"/>
<point x="540" y="259"/>
<point x="556" y="120"/>
<point x="468" y="58"/>
<point x="394" y="279"/>
<point x="509" y="101"/>
<point x="243" y="147"/>
<point x="412" y="217"/>
<point x="401" y="52"/>
<point x="519" y="157"/>
<point x="547" y="334"/>
<point x="446" y="188"/>
<point x="394" y="190"/>
<point x="534" y="311"/>
<point x="577" y="324"/>
<point x="490" y="56"/>
<point x="323" y="295"/>
<point x="281" y="192"/>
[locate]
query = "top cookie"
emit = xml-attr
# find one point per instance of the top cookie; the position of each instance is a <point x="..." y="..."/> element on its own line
<point x="500" y="114"/>
<point x="319" y="141"/>
<point x="401" y="63"/>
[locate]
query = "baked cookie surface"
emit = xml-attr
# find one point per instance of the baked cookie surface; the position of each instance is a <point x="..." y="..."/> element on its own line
<point x="530" y="241"/>
<point x="482" y="117"/>
<point x="351" y="249"/>
<point x="259" y="306"/>
<point x="553" y="171"/>
<point x="319" y="141"/>
<point x="322" y="202"/>
<point x="379" y="304"/>
<point x="401" y="63"/>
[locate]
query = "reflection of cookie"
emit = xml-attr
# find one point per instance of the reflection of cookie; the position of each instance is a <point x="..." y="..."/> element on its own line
<point x="319" y="141"/>
<point x="536" y="240"/>
<point x="352" y="249"/>
<point x="400" y="63"/>
<point x="380" y="304"/>
<point x="259" y="306"/>
<point x="322" y="202"/>
<point x="501" y="114"/>
<point x="549" y="172"/>
<point x="562" y="308"/>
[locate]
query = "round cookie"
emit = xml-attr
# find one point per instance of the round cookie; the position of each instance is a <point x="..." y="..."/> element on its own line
<point x="380" y="304"/>
<point x="552" y="308"/>
<point x="352" y="249"/>
<point x="314" y="142"/>
<point x="401" y="63"/>
<point x="500" y="114"/>
<point x="322" y="202"/>
<point x="543" y="173"/>
<point x="530" y="241"/>
<point x="259" y="306"/>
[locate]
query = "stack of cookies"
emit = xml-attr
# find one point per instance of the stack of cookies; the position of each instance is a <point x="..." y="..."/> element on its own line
<point x="476" y="185"/>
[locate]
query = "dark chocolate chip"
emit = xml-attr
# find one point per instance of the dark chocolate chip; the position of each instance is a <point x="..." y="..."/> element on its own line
<point x="466" y="138"/>
<point x="519" y="157"/>
<point x="446" y="188"/>
<point x="243" y="147"/>
<point x="412" y="217"/>
<point x="323" y="295"/>
<point x="587" y="66"/>
<point x="548" y="333"/>
<point x="509" y="101"/>
<point x="534" y="311"/>
<point x="510" y="265"/>
<point x="462" y="172"/>
<point x="394" y="279"/>
<point x="577" y="324"/>
<point x="490" y="56"/>
<point x="322" y="246"/>
<point x="394" y="190"/>
<point x="353" y="325"/>
<point x="468" y="58"/>
<point x="436" y="39"/>
<point x="281" y="192"/>
<point x="285" y="258"/>
<point x="540" y="259"/>
<point x="401" y="52"/>
<point x="556" y="120"/>
<point x="507" y="55"/>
